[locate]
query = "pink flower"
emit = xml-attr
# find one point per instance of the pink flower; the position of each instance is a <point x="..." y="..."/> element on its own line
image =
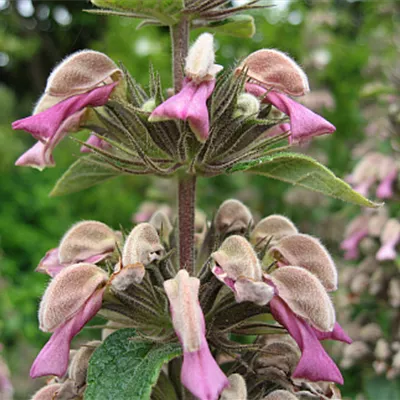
<point x="385" y="188"/>
<point x="356" y="231"/>
<point x="200" y="372"/>
<point x="53" y="124"/>
<point x="191" y="102"/>
<point x="303" y="307"/>
<point x="87" y="242"/>
<point x="274" y="75"/>
<point x="390" y="238"/>
<point x="304" y="123"/>
<point x="73" y="297"/>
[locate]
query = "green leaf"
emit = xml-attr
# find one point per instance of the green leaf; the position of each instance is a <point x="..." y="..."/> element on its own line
<point x="124" y="368"/>
<point x="239" y="26"/>
<point x="304" y="171"/>
<point x="83" y="173"/>
<point x="382" y="389"/>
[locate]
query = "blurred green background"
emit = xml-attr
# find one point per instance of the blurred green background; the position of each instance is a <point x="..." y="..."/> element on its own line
<point x="344" y="46"/>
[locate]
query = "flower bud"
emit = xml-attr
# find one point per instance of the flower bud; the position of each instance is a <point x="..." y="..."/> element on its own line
<point x="233" y="217"/>
<point x="237" y="258"/>
<point x="305" y="296"/>
<point x="47" y="393"/>
<point x="200" y="60"/>
<point x="247" y="106"/>
<point x="126" y="276"/>
<point x="273" y="69"/>
<point x="67" y="293"/>
<point x="161" y="222"/>
<point x="68" y="391"/>
<point x="273" y="228"/>
<point x="79" y="365"/>
<point x="149" y="105"/>
<point x="280" y="395"/>
<point x="142" y="246"/>
<point x="236" y="389"/>
<point x="307" y="252"/>
<point x="86" y="239"/>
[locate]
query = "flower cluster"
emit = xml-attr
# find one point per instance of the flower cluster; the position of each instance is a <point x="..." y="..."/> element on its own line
<point x="249" y="271"/>
<point x="216" y="120"/>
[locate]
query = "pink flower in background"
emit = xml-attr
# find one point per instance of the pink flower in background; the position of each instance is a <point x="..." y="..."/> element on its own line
<point x="355" y="232"/>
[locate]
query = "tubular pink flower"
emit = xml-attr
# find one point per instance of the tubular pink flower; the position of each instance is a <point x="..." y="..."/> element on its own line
<point x="200" y="372"/>
<point x="96" y="142"/>
<point x="189" y="104"/>
<point x="44" y="125"/>
<point x="304" y="123"/>
<point x="315" y="364"/>
<point x="363" y="187"/>
<point x="351" y="243"/>
<point x="53" y="358"/>
<point x="40" y="155"/>
<point x="385" y="188"/>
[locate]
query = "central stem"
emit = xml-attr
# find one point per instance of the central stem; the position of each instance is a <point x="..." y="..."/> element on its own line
<point x="186" y="182"/>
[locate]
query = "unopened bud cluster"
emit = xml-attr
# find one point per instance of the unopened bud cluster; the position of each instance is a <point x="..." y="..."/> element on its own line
<point x="245" y="271"/>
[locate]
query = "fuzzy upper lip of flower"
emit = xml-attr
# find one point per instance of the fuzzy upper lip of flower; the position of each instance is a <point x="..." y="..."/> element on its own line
<point x="273" y="76"/>
<point x="200" y="372"/>
<point x="190" y="103"/>
<point x="73" y="297"/>
<point x="84" y="79"/>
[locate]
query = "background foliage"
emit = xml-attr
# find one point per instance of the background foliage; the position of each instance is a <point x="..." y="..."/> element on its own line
<point x="336" y="41"/>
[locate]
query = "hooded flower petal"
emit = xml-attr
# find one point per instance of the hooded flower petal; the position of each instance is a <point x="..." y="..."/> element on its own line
<point x="53" y="358"/>
<point x="307" y="252"/>
<point x="274" y="70"/>
<point x="189" y="104"/>
<point x="303" y="122"/>
<point x="40" y="155"/>
<point x="271" y="229"/>
<point x="305" y="295"/>
<point x="315" y="364"/>
<point x="200" y="372"/>
<point x="50" y="263"/>
<point x="142" y="246"/>
<point x="233" y="216"/>
<point x="48" y="392"/>
<point x="43" y="126"/>
<point x="67" y="293"/>
<point x="87" y="241"/>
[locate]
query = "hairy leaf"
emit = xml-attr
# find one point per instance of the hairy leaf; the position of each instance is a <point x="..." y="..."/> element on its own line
<point x="303" y="171"/>
<point x="124" y="368"/>
<point x="239" y="26"/>
<point x="82" y="174"/>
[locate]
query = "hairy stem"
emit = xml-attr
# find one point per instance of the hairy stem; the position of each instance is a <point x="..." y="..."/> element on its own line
<point x="186" y="183"/>
<point x="186" y="211"/>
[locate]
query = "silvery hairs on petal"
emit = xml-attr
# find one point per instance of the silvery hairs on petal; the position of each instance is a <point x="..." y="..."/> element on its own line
<point x="127" y="275"/>
<point x="68" y="292"/>
<point x="237" y="259"/>
<point x="232" y="217"/>
<point x="86" y="239"/>
<point x="257" y="292"/>
<point x="271" y="229"/>
<point x="273" y="69"/>
<point x="142" y="245"/>
<point x="280" y="395"/>
<point x="236" y="390"/>
<point x="200" y="60"/>
<point x="305" y="296"/>
<point x="307" y="252"/>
